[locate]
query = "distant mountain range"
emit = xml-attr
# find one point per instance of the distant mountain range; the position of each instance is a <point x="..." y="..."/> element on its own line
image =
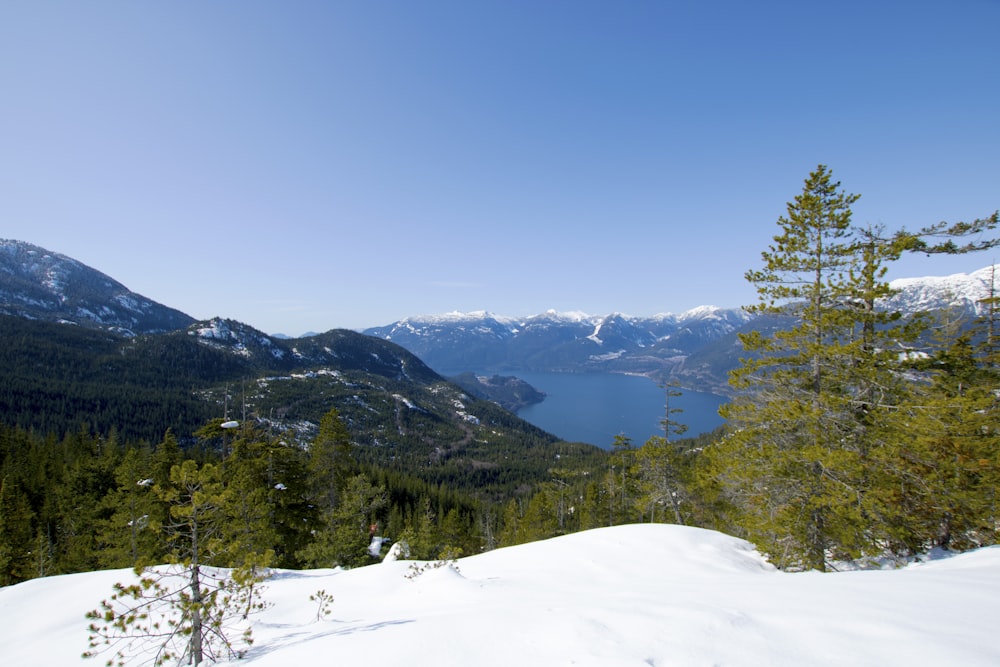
<point x="697" y="348"/>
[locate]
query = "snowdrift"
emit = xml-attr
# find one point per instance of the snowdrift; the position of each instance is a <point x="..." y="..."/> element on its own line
<point x="631" y="595"/>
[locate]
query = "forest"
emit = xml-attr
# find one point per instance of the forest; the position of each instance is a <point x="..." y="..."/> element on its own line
<point x="852" y="433"/>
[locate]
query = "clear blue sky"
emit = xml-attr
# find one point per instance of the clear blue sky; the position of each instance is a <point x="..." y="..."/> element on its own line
<point x="310" y="165"/>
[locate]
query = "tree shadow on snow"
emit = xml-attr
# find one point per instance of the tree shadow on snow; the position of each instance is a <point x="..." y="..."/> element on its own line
<point x="305" y="637"/>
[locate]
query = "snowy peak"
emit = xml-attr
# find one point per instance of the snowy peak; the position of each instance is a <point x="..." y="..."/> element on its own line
<point x="561" y="341"/>
<point x="551" y="315"/>
<point x="38" y="284"/>
<point x="961" y="291"/>
<point x="455" y="317"/>
<point x="617" y="330"/>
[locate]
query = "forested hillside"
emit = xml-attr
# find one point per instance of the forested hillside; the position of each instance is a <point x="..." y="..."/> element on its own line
<point x="101" y="433"/>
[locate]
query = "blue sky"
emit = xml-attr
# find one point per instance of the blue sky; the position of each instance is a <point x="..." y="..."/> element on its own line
<point x="309" y="165"/>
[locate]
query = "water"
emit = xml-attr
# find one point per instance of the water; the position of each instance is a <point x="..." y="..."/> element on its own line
<point x="595" y="407"/>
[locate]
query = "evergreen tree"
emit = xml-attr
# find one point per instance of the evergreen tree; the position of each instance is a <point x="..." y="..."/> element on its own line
<point x="794" y="462"/>
<point x="331" y="461"/>
<point x="87" y="479"/>
<point x="940" y="481"/>
<point x="15" y="534"/>
<point x="457" y="537"/>
<point x="347" y="532"/>
<point x="512" y="532"/>
<point x="186" y="612"/>
<point x="670" y="425"/>
<point x="249" y="529"/>
<point x="166" y="455"/>
<point x="425" y="542"/>
<point x="619" y="482"/>
<point x="659" y="465"/>
<point x="940" y="238"/>
<point x="293" y="517"/>
<point x="592" y="511"/>
<point x="127" y="538"/>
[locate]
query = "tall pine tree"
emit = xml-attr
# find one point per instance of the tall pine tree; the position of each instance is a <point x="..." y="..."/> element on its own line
<point x="794" y="462"/>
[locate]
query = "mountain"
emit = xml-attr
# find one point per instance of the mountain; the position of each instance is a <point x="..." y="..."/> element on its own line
<point x="399" y="413"/>
<point x="42" y="285"/>
<point x="83" y="352"/>
<point x="697" y="348"/>
<point x="553" y="341"/>
<point x="144" y="367"/>
<point x="636" y="595"/>
<point x="658" y="346"/>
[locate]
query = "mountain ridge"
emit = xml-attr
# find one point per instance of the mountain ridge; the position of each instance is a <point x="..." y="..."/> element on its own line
<point x="966" y="289"/>
<point x="695" y="348"/>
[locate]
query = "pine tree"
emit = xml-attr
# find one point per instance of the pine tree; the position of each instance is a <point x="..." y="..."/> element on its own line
<point x="87" y="479"/>
<point x="127" y="537"/>
<point x="292" y="514"/>
<point x="331" y="461"/>
<point x="941" y="479"/>
<point x="186" y="611"/>
<point x="670" y="425"/>
<point x="940" y="238"/>
<point x="346" y="535"/>
<point x="512" y="532"/>
<point x="540" y="520"/>
<point x="249" y="529"/>
<point x="794" y="461"/>
<point x="15" y="534"/>
<point x="659" y="465"/>
<point x="592" y="511"/>
<point x="620" y="482"/>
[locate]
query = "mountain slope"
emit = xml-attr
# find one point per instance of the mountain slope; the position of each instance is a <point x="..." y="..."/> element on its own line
<point x="42" y="285"/>
<point x="399" y="413"/>
<point x="82" y="352"/>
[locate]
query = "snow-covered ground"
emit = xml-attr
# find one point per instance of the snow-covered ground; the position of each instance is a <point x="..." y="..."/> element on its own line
<point x="631" y="595"/>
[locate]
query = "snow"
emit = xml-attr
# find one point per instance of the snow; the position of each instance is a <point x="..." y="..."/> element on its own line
<point x="564" y="316"/>
<point x="456" y="317"/>
<point x="631" y="595"/>
<point x="596" y="335"/>
<point x="914" y="294"/>
<point x="960" y="290"/>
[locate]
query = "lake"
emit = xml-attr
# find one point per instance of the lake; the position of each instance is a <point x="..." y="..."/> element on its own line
<point x="595" y="407"/>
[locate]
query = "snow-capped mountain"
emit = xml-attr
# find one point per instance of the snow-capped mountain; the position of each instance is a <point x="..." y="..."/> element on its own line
<point x="962" y="292"/>
<point x="568" y="342"/>
<point x="42" y="285"/>
<point x="697" y="347"/>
